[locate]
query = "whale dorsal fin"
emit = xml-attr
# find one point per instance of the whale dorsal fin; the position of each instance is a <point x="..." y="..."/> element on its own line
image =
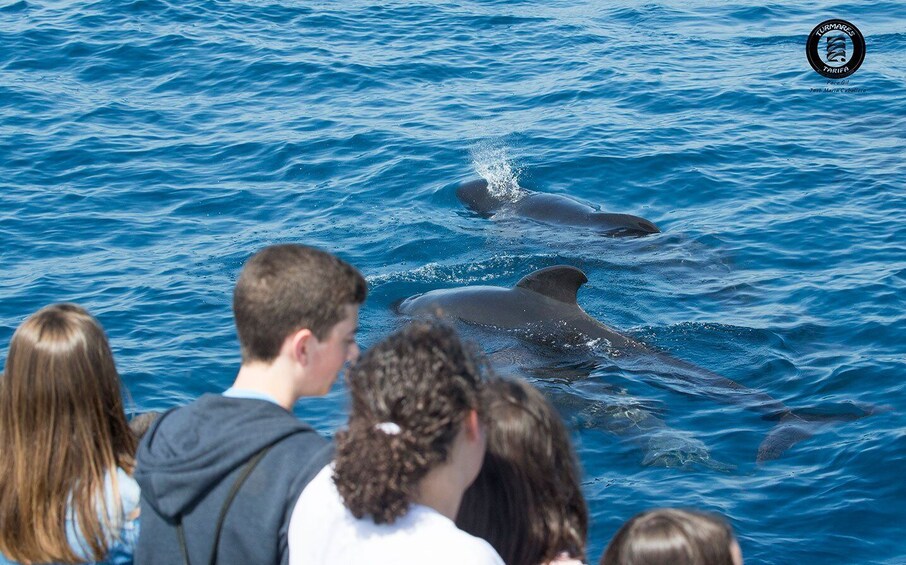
<point x="560" y="282"/>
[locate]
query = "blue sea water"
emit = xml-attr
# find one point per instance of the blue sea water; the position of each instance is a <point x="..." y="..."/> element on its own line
<point x="148" y="147"/>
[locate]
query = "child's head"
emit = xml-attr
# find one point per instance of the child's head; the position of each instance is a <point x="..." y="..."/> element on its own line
<point x="141" y="423"/>
<point x="527" y="500"/>
<point x="675" y="537"/>
<point x="285" y="288"/>
<point x="60" y="384"/>
<point x="62" y="428"/>
<point x="413" y="396"/>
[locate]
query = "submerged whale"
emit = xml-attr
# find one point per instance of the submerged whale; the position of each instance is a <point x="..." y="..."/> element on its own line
<point x="542" y="308"/>
<point x="550" y="209"/>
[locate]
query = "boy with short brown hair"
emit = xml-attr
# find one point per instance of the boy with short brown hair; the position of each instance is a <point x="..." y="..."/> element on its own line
<point x="220" y="477"/>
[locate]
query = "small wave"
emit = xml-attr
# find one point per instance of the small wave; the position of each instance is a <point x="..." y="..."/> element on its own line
<point x="492" y="163"/>
<point x="20" y="6"/>
<point x="435" y="272"/>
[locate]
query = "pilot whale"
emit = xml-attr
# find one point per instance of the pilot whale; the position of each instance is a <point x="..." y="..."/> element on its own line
<point x="553" y="209"/>
<point x="543" y="308"/>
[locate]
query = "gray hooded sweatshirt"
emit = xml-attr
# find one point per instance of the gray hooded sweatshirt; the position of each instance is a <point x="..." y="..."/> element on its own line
<point x="191" y="458"/>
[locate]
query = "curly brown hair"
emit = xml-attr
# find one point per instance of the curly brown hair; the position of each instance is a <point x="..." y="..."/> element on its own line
<point x="527" y="500"/>
<point x="424" y="380"/>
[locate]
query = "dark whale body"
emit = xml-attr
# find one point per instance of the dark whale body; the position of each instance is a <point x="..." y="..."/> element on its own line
<point x="542" y="308"/>
<point x="551" y="209"/>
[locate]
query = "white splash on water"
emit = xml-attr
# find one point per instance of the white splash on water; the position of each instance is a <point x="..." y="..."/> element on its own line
<point x="492" y="162"/>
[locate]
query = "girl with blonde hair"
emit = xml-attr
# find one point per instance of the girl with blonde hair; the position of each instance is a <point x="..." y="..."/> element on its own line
<point x="66" y="450"/>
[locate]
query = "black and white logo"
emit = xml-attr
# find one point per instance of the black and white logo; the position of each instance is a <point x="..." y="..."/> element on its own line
<point x="835" y="48"/>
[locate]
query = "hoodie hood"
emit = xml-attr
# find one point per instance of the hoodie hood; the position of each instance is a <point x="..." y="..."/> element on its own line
<point x="189" y="450"/>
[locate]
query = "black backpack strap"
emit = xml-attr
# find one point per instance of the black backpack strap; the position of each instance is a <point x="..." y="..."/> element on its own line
<point x="234" y="490"/>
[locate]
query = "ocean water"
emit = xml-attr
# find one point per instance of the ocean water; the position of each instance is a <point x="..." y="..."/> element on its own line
<point x="148" y="147"/>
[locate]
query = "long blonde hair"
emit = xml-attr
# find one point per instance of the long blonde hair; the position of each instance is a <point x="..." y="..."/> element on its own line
<point x="62" y="431"/>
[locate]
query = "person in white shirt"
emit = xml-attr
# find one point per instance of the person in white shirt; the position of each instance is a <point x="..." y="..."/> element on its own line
<point x="414" y="442"/>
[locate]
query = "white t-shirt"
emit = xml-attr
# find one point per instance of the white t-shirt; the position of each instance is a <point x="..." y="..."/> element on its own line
<point x="323" y="531"/>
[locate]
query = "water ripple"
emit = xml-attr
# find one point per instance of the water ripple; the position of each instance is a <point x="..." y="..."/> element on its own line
<point x="148" y="147"/>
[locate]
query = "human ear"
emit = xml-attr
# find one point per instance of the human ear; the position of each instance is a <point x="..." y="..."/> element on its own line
<point x="473" y="425"/>
<point x="301" y="344"/>
<point x="736" y="553"/>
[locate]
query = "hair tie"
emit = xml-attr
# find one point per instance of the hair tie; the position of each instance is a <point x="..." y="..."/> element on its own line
<point x="389" y="428"/>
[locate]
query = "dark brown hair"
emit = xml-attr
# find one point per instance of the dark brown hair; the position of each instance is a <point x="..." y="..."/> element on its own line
<point x="285" y="288"/>
<point x="672" y="536"/>
<point x="527" y="500"/>
<point x="422" y="379"/>
<point x="62" y="430"/>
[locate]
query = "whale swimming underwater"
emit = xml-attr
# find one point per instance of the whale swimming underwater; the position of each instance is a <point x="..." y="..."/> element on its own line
<point x="605" y="406"/>
<point x="551" y="209"/>
<point x="543" y="308"/>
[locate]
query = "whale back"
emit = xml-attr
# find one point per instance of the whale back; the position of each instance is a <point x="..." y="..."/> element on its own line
<point x="560" y="283"/>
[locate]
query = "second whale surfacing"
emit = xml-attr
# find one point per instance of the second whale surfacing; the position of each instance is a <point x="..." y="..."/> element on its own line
<point x="553" y="209"/>
<point x="543" y="308"/>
